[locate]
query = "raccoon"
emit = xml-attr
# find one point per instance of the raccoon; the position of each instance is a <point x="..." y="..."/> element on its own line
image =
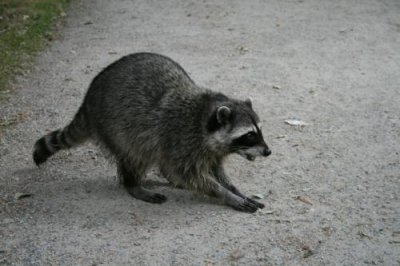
<point x="146" y="111"/>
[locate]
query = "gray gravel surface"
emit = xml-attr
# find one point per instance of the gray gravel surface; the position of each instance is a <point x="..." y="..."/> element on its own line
<point x="333" y="64"/>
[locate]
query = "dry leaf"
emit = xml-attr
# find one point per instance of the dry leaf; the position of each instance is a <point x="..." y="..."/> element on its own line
<point x="262" y="211"/>
<point x="257" y="196"/>
<point x="295" y="122"/>
<point x="20" y="195"/>
<point x="304" y="199"/>
<point x="362" y="234"/>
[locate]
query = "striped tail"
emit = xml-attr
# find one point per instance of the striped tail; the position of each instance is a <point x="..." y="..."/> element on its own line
<point x="72" y="135"/>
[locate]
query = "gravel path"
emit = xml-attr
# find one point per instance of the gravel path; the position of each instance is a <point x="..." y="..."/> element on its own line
<point x="333" y="64"/>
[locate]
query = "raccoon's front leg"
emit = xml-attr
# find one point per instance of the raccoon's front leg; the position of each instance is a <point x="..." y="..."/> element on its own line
<point x="213" y="188"/>
<point x="225" y="181"/>
<point x="132" y="182"/>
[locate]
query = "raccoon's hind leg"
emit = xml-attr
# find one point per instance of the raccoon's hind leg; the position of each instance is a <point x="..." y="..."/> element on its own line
<point x="225" y="181"/>
<point x="132" y="182"/>
<point x="72" y="135"/>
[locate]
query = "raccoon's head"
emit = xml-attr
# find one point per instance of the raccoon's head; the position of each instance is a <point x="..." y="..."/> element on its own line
<point x="234" y="127"/>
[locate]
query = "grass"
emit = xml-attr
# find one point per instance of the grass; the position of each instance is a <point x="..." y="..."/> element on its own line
<point x="24" y="27"/>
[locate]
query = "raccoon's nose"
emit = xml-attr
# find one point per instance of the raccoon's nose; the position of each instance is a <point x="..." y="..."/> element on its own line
<point x="267" y="152"/>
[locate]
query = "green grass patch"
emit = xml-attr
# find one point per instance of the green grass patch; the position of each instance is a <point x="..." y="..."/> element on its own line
<point x="24" y="25"/>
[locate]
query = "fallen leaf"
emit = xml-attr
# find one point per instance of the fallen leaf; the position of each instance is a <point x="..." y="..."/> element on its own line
<point x="20" y="195"/>
<point x="257" y="196"/>
<point x="362" y="234"/>
<point x="304" y="199"/>
<point x="295" y="122"/>
<point x="262" y="211"/>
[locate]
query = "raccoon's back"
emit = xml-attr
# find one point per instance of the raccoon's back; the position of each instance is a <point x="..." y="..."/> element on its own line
<point x="125" y="101"/>
<point x="133" y="86"/>
<point x="141" y="78"/>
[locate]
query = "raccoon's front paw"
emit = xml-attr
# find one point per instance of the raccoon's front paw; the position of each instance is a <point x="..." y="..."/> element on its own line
<point x="147" y="195"/>
<point x="246" y="205"/>
<point x="155" y="198"/>
<point x="259" y="204"/>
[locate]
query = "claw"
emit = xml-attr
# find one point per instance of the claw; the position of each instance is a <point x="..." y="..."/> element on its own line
<point x="246" y="206"/>
<point x="259" y="204"/>
<point x="157" y="198"/>
<point x="146" y="195"/>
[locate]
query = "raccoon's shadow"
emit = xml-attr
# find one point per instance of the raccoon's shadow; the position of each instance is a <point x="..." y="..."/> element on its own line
<point x="180" y="195"/>
<point x="60" y="189"/>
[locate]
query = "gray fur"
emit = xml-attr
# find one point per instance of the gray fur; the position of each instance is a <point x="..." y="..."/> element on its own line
<point x="146" y="111"/>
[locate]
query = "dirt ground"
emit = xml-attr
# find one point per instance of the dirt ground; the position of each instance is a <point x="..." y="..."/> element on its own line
<point x="331" y="188"/>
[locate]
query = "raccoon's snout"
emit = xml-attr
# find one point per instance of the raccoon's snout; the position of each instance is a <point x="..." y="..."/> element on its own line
<point x="253" y="152"/>
<point x="267" y="152"/>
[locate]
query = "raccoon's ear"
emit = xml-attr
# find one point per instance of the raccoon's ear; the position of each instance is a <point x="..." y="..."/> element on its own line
<point x="249" y="103"/>
<point x="223" y="114"/>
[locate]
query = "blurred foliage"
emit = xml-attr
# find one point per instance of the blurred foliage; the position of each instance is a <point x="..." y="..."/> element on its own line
<point x="24" y="24"/>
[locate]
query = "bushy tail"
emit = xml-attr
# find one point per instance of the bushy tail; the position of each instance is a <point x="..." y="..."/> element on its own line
<point x="72" y="135"/>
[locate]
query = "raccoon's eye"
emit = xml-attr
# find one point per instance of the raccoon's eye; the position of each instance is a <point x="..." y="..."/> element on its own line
<point x="251" y="135"/>
<point x="247" y="140"/>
